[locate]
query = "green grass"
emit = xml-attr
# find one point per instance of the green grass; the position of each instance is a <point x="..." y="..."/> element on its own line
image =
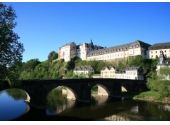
<point x="150" y="96"/>
<point x="149" y="93"/>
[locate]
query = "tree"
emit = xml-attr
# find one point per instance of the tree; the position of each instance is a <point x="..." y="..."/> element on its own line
<point x="135" y="61"/>
<point x="52" y="56"/>
<point x="31" y="64"/>
<point x="157" y="84"/>
<point x="27" y="71"/>
<point x="70" y="65"/>
<point x="10" y="48"/>
<point x="41" y="71"/>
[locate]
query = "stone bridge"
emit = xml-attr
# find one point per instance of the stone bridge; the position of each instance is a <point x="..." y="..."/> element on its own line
<point x="39" y="89"/>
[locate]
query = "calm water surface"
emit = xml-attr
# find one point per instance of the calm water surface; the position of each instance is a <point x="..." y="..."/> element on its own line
<point x="10" y="107"/>
<point x="14" y="107"/>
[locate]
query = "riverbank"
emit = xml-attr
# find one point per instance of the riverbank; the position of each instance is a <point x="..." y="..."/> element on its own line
<point x="152" y="96"/>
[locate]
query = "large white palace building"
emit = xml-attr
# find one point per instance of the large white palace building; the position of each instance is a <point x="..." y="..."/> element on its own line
<point x="120" y="52"/>
<point x="69" y="51"/>
<point x="89" y="51"/>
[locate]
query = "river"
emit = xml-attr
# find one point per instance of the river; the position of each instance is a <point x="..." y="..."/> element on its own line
<point x="14" y="105"/>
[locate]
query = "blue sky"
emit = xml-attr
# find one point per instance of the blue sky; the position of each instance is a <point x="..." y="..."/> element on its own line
<point x="44" y="27"/>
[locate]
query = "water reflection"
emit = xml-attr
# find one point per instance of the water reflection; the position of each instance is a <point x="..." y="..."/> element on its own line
<point x="12" y="104"/>
<point x="99" y="95"/>
<point x="58" y="102"/>
<point x="141" y="111"/>
<point x="117" y="118"/>
<point x="166" y="107"/>
<point x="135" y="109"/>
<point x="59" y="107"/>
<point x="99" y="100"/>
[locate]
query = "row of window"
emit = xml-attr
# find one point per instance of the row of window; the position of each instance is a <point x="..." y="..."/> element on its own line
<point x="157" y="56"/>
<point x="159" y="51"/>
<point x="111" y="51"/>
<point x="112" y="56"/>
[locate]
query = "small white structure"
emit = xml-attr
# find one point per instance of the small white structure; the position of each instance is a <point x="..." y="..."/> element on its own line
<point x="129" y="73"/>
<point x="96" y="76"/>
<point x="134" y="73"/>
<point x="108" y="72"/>
<point x="163" y="63"/>
<point x="83" y="70"/>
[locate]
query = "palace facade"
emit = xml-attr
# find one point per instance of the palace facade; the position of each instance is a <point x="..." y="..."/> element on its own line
<point x="70" y="50"/>
<point x="120" y="52"/>
<point x="89" y="51"/>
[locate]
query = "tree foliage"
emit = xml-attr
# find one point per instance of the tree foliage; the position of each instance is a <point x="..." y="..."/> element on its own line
<point x="52" y="56"/>
<point x="165" y="71"/>
<point x="10" y="48"/>
<point x="157" y="84"/>
<point x="27" y="69"/>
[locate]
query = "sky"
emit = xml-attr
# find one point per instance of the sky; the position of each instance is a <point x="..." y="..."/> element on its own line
<point x="44" y="27"/>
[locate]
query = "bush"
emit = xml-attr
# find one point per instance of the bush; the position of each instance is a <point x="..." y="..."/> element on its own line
<point x="160" y="86"/>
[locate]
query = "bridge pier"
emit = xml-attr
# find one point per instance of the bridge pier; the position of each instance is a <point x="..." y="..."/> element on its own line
<point x="84" y="93"/>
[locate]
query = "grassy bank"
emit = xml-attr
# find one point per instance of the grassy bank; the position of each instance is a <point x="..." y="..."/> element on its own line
<point x="152" y="96"/>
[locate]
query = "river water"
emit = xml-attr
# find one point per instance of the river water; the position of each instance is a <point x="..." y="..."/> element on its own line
<point x="13" y="106"/>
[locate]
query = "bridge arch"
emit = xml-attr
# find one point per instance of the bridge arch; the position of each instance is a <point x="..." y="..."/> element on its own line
<point x="66" y="91"/>
<point x="100" y="89"/>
